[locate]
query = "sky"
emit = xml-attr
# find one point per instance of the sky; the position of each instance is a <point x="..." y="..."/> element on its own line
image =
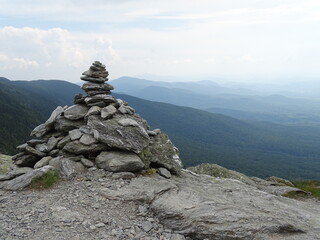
<point x="238" y="40"/>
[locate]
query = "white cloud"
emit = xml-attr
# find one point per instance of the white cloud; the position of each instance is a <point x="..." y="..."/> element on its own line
<point x="54" y="53"/>
<point x="169" y="37"/>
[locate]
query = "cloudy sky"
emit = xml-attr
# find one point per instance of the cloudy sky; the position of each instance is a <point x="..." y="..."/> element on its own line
<point x="240" y="40"/>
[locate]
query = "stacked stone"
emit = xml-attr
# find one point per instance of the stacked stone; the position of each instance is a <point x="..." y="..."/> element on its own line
<point x="98" y="131"/>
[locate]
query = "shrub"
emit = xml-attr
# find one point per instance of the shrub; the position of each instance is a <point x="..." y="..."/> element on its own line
<point x="46" y="181"/>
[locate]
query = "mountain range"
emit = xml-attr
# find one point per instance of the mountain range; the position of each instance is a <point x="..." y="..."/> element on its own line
<point x="256" y="148"/>
<point x="236" y="102"/>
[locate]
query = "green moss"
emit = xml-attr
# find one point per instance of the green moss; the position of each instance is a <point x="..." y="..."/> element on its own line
<point x="46" y="181"/>
<point x="145" y="156"/>
<point x="5" y="163"/>
<point x="311" y="187"/>
<point x="150" y="171"/>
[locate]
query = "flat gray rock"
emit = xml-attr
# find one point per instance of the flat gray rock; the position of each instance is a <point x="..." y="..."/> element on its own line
<point x="204" y="207"/>
<point x="75" y="134"/>
<point x="42" y="129"/>
<point x="96" y="87"/>
<point x="20" y="171"/>
<point x="110" y="132"/>
<point x="94" y="110"/>
<point x="76" y="112"/>
<point x="108" y="111"/>
<point x="52" y="143"/>
<point x="24" y="180"/>
<point x="35" y="152"/>
<point x="63" y="141"/>
<point x="100" y="98"/>
<point x="77" y="147"/>
<point x="34" y="142"/>
<point x="63" y="124"/>
<point x="43" y="162"/>
<point x="88" y="139"/>
<point x="70" y="169"/>
<point x="42" y="147"/>
<point x="115" y="161"/>
<point x="164" y="172"/>
<point x="123" y="175"/>
<point x="66" y="167"/>
<point x="87" y="163"/>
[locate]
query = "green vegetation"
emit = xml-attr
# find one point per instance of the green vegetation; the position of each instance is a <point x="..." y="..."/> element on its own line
<point x="46" y="181"/>
<point x="5" y="163"/>
<point x="255" y="149"/>
<point x="309" y="186"/>
<point x="150" y="171"/>
<point x="26" y="104"/>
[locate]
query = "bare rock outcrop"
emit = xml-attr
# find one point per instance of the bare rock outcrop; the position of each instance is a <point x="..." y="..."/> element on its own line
<point x="204" y="207"/>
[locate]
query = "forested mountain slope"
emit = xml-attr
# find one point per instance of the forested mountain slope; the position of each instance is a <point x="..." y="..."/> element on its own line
<point x="257" y="149"/>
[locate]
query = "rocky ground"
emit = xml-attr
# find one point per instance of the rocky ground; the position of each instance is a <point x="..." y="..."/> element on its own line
<point x="75" y="209"/>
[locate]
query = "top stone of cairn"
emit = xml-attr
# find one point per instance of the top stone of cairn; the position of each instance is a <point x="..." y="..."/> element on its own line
<point x="97" y="73"/>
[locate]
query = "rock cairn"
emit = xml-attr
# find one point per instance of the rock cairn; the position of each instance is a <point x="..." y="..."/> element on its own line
<point x="98" y="131"/>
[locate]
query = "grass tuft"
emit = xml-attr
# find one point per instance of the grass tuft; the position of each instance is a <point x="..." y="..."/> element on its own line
<point x="150" y="171"/>
<point x="310" y="186"/>
<point x="46" y="181"/>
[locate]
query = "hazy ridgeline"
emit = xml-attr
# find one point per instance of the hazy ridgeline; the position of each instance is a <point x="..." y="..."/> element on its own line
<point x="269" y="134"/>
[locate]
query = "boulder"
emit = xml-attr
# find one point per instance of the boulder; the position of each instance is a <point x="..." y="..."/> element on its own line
<point x="76" y="147"/>
<point x="94" y="110"/>
<point x="100" y="98"/>
<point x="34" y="142"/>
<point x="92" y="79"/>
<point x="75" y="134"/>
<point x="110" y="132"/>
<point x="42" y="147"/>
<point x="24" y="180"/>
<point x="43" y="162"/>
<point x="42" y="129"/>
<point x="22" y="147"/>
<point x="164" y="172"/>
<point x="87" y="163"/>
<point x="34" y="152"/>
<point x="280" y="181"/>
<point x="79" y="99"/>
<point x="161" y="153"/>
<point x="115" y="161"/>
<point x="88" y="139"/>
<point x="76" y="112"/>
<point x="66" y="167"/>
<point x="97" y="87"/>
<point x="70" y="169"/>
<point x="20" y="171"/>
<point x="52" y="143"/>
<point x="63" y="124"/>
<point x="63" y="141"/>
<point x="108" y="111"/>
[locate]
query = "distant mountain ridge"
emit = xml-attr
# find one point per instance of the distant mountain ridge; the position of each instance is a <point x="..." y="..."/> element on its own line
<point x="236" y="102"/>
<point x="25" y="104"/>
<point x="257" y="149"/>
